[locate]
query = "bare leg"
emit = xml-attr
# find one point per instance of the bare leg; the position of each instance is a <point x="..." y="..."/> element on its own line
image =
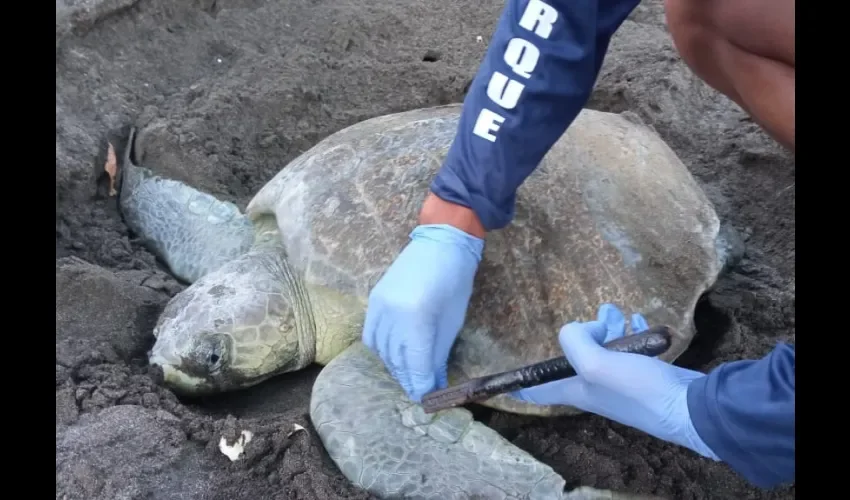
<point x="746" y="50"/>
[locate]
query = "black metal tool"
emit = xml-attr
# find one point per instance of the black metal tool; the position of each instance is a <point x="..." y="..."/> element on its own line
<point x="652" y="342"/>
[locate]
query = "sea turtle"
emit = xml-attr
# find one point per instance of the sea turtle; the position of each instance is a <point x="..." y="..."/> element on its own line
<point x="610" y="215"/>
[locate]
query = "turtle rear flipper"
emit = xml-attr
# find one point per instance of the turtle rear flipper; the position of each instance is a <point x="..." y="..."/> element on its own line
<point x="191" y="231"/>
<point x="386" y="444"/>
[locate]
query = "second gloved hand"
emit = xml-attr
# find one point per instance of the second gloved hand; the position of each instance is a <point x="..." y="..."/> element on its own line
<point x="635" y="390"/>
<point x="417" y="308"/>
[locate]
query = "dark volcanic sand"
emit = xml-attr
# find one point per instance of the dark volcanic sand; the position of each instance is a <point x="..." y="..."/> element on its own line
<point x="226" y="93"/>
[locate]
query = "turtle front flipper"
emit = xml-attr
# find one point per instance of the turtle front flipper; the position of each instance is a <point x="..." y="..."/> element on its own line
<point x="192" y="232"/>
<point x="389" y="446"/>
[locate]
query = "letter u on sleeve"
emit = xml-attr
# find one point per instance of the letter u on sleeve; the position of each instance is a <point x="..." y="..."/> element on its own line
<point x="537" y="74"/>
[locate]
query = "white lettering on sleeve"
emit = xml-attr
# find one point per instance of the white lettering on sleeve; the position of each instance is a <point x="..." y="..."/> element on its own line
<point x="539" y="17"/>
<point x="521" y="55"/>
<point x="504" y="91"/>
<point x="486" y="123"/>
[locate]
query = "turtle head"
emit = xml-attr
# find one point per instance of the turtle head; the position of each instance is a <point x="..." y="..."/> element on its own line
<point x="233" y="328"/>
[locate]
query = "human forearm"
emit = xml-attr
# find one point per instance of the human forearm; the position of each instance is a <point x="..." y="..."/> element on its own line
<point x="436" y="210"/>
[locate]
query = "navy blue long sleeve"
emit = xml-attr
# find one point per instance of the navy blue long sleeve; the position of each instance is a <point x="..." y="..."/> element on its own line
<point x="536" y="76"/>
<point x="745" y="412"/>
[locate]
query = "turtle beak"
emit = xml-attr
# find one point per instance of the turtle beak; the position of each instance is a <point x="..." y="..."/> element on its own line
<point x="171" y="376"/>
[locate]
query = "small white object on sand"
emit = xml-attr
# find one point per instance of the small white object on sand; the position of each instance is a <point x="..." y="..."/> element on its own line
<point x="295" y="428"/>
<point x="234" y="452"/>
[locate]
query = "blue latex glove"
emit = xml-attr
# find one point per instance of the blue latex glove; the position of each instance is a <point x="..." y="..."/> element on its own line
<point x="418" y="307"/>
<point x="639" y="391"/>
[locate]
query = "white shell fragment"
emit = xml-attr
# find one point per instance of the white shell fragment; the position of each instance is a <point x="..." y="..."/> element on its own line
<point x="295" y="428"/>
<point x="234" y="452"/>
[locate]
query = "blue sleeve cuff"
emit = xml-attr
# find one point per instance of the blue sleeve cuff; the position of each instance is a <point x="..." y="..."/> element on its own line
<point x="744" y="411"/>
<point x="449" y="187"/>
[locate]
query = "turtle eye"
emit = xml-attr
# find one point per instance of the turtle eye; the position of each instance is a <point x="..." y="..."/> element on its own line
<point x="214" y="357"/>
<point x="214" y="353"/>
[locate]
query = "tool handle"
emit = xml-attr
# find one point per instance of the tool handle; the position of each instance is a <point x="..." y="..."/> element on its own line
<point x="652" y="342"/>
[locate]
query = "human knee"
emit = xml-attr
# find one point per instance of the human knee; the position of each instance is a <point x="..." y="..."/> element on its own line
<point x="763" y="28"/>
<point x="700" y="46"/>
<point x="689" y="26"/>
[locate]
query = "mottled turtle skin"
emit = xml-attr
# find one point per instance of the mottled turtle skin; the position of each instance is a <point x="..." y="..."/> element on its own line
<point x="610" y="215"/>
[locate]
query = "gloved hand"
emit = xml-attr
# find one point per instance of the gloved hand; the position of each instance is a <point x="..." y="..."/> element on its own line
<point x="417" y="308"/>
<point x="635" y="390"/>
